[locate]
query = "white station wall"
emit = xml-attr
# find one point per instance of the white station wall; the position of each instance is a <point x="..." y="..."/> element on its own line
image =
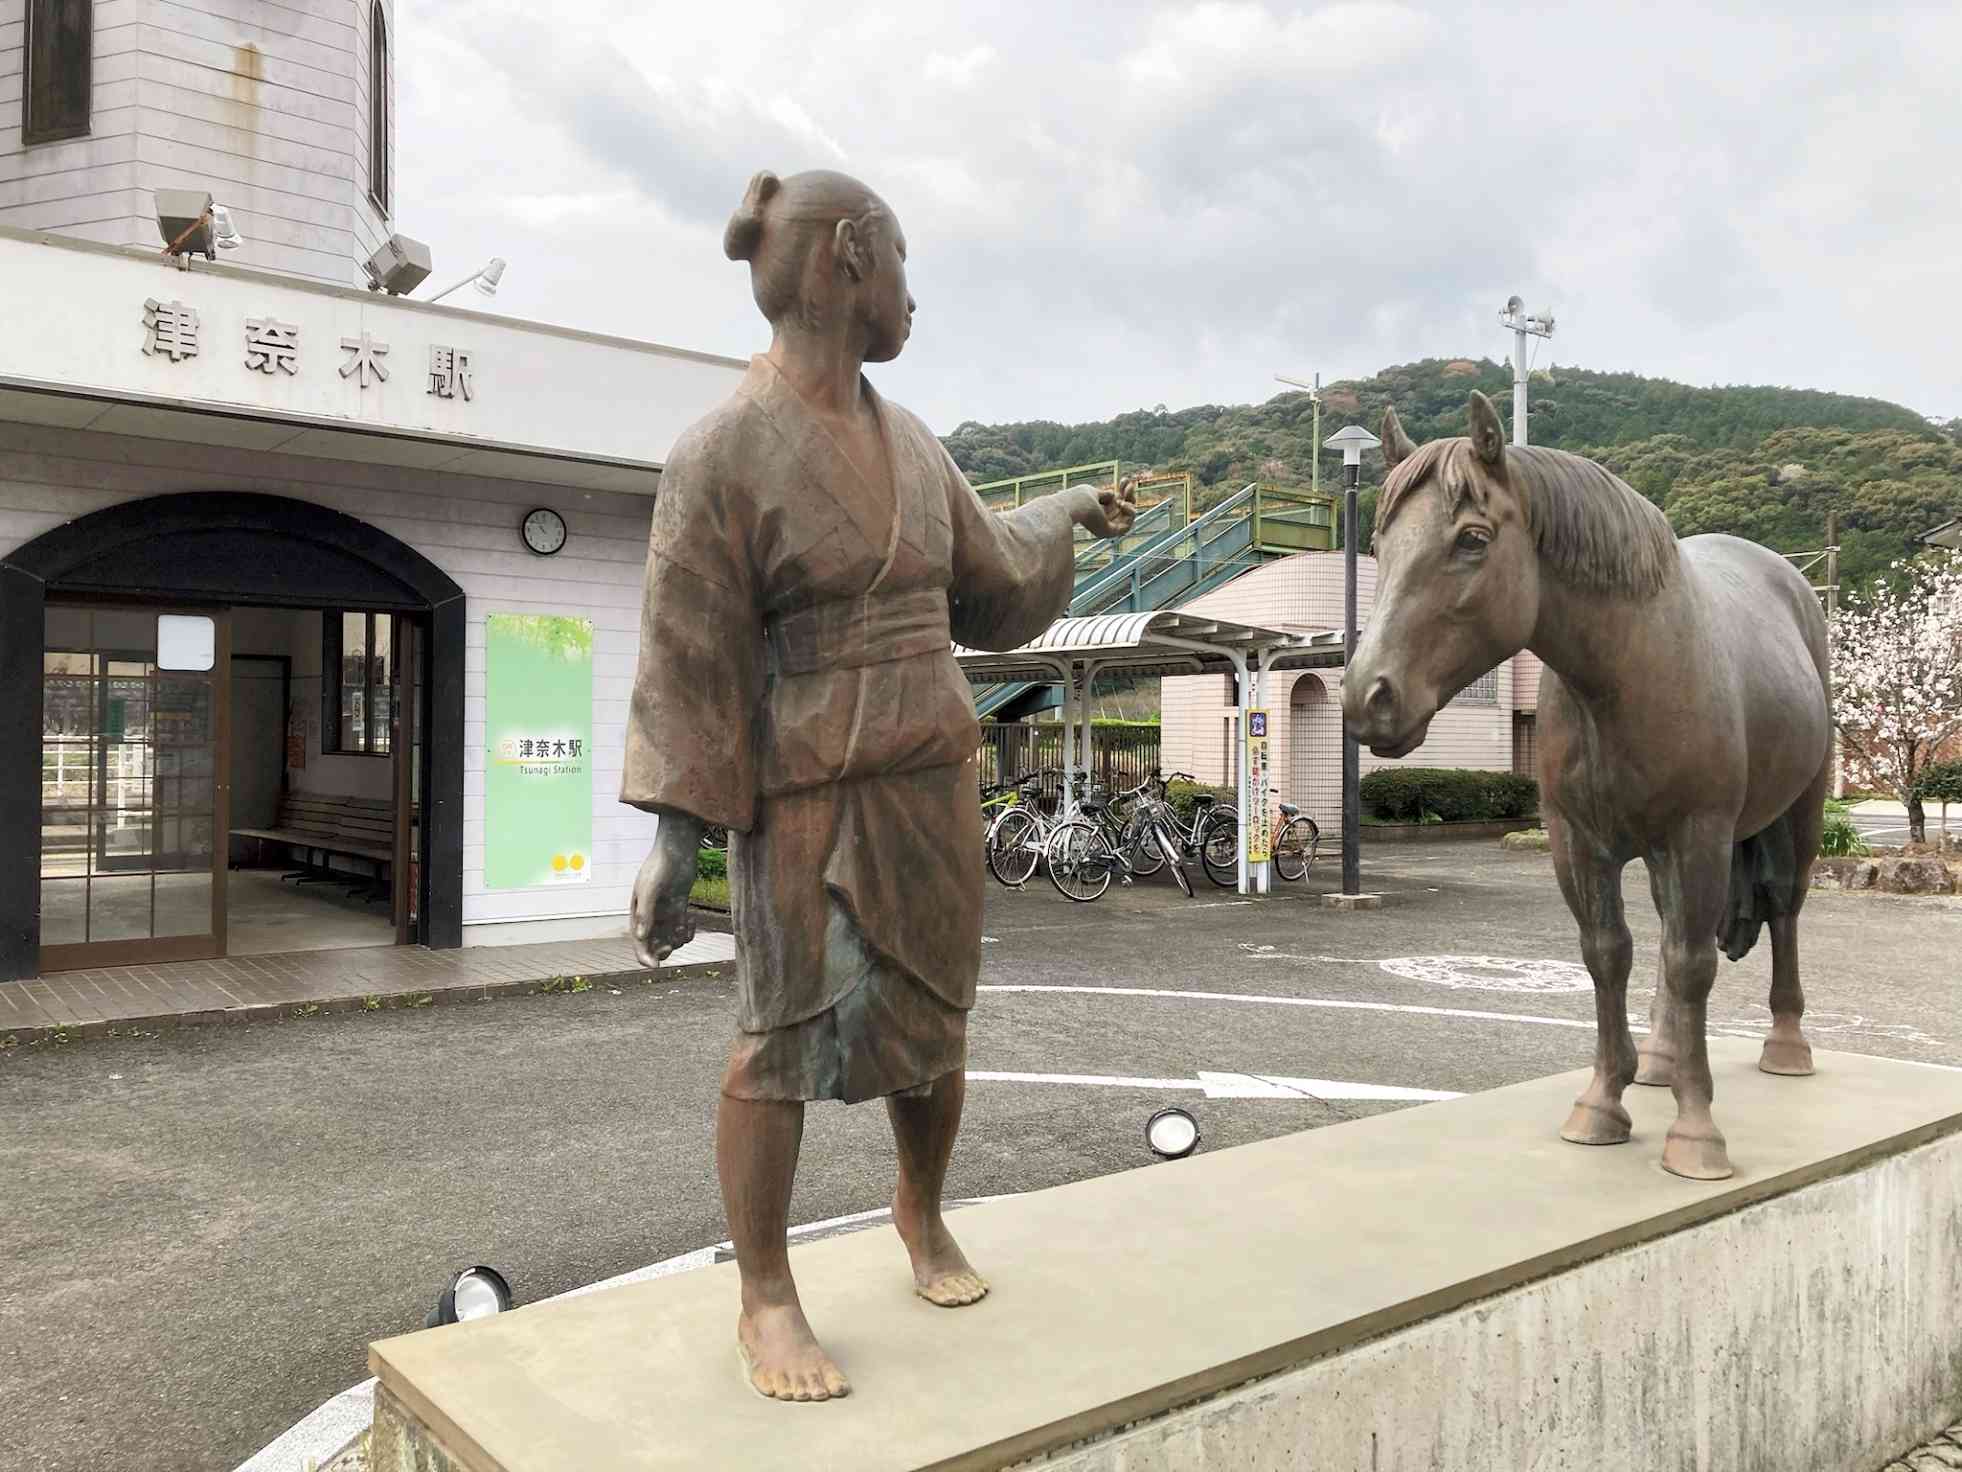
<point x="469" y="528"/>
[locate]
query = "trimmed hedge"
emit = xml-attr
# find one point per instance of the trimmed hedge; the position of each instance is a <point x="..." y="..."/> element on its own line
<point x="1941" y="782"/>
<point x="1179" y="797"/>
<point x="712" y="863"/>
<point x="1448" y="795"/>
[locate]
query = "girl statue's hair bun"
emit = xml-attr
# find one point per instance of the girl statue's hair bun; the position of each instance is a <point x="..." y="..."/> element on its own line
<point x="745" y="229"/>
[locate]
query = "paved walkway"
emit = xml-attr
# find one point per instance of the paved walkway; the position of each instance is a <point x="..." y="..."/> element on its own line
<point x="84" y="1004"/>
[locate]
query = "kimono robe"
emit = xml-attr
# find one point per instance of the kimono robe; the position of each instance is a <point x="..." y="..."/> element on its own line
<point x="797" y="686"/>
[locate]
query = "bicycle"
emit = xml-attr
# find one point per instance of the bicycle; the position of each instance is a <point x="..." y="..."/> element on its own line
<point x="1297" y="844"/>
<point x="1213" y="834"/>
<point x="1085" y="851"/>
<point x="1019" y="835"/>
<point x="996" y="798"/>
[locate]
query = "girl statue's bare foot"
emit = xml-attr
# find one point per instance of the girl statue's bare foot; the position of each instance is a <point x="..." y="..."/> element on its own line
<point x="784" y="1359"/>
<point x="940" y="1270"/>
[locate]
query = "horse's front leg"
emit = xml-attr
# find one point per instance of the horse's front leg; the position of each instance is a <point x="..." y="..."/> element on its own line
<point x="1690" y="880"/>
<point x="1591" y="883"/>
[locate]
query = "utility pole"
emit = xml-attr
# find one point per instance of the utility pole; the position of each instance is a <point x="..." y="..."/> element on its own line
<point x="1808" y="563"/>
<point x="1315" y="398"/>
<point x="1832" y="612"/>
<point x="1523" y="325"/>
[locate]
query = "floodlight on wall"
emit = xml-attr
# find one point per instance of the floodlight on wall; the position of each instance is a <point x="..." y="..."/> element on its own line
<point x="475" y="1293"/>
<point x="184" y="219"/>
<point x="484" y="278"/>
<point x="399" y="267"/>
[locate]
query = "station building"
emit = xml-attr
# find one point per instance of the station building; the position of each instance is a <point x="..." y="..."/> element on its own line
<point x="283" y="554"/>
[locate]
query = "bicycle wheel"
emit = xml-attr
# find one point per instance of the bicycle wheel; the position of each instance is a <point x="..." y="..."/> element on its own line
<point x="1294" y="847"/>
<point x="714" y="836"/>
<point x="1170" y="847"/>
<point x="1139" y="848"/>
<point x="1219" y="851"/>
<point x="1014" y="847"/>
<point x="1081" y="861"/>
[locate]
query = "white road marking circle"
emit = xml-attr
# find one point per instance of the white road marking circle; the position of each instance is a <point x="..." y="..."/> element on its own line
<point x="1491" y="973"/>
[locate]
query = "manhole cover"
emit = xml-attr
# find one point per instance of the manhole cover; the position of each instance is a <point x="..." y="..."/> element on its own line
<point x="1492" y="973"/>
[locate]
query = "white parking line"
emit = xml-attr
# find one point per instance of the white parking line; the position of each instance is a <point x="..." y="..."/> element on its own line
<point x="1222" y="1085"/>
<point x="1272" y="1001"/>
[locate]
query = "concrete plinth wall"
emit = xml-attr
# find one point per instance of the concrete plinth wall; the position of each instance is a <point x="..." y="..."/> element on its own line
<point x="1451" y="1286"/>
<point x="1816" y="1330"/>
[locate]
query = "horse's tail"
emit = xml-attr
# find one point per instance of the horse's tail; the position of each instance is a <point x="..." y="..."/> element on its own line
<point x="1764" y="884"/>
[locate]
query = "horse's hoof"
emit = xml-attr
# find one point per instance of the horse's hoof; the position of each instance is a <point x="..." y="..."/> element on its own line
<point x="1597" y="1124"/>
<point x="1655" y="1070"/>
<point x="1697" y="1157"/>
<point x="1789" y="1057"/>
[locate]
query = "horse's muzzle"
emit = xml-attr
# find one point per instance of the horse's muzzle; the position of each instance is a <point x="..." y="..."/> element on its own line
<point x="1377" y="718"/>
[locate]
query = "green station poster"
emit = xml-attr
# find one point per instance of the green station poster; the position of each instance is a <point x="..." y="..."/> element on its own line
<point x="538" y="736"/>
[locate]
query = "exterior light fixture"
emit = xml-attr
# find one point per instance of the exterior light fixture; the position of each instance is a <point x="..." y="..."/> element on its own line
<point x="184" y="219"/>
<point x="399" y="267"/>
<point x="1351" y="440"/>
<point x="475" y="1293"/>
<point x="484" y="278"/>
<point x="1172" y="1134"/>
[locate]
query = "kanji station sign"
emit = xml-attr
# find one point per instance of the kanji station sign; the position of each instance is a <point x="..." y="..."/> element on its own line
<point x="289" y="362"/>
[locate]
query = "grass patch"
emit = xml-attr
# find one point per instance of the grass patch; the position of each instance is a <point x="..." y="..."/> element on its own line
<point x="1840" y="836"/>
<point x="710" y="893"/>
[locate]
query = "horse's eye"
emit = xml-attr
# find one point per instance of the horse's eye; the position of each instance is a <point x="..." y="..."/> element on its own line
<point x="1473" y="539"/>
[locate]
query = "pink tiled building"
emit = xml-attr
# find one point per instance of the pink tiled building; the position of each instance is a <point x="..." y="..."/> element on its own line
<point x="1489" y="725"/>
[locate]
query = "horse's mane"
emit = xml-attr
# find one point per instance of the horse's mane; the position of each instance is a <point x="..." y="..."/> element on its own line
<point x="1589" y="525"/>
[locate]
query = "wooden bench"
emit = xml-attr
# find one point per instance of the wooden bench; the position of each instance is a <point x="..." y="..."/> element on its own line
<point x="324" y="828"/>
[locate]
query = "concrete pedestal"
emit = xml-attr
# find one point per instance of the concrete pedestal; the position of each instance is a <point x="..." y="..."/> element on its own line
<point x="1448" y="1286"/>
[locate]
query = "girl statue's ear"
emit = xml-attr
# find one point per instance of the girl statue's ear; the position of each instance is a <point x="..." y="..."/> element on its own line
<point x="850" y="248"/>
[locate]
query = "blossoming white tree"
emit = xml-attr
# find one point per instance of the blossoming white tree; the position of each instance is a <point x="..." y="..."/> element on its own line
<point x="1897" y="676"/>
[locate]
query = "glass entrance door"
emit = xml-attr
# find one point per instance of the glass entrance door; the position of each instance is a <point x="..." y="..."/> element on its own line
<point x="133" y="786"/>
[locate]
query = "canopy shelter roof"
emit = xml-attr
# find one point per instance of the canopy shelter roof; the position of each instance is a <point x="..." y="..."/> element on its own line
<point x="1165" y="642"/>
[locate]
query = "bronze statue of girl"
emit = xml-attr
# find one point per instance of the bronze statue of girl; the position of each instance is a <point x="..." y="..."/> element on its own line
<point x="815" y="554"/>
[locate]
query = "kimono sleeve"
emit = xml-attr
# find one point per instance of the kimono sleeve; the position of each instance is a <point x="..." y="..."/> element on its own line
<point x="1013" y="571"/>
<point x="699" y="685"/>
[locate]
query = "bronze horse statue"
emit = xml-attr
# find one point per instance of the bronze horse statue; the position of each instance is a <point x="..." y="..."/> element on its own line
<point x="1684" y="720"/>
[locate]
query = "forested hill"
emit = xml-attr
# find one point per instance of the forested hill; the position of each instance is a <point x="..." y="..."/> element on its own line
<point x="1765" y="463"/>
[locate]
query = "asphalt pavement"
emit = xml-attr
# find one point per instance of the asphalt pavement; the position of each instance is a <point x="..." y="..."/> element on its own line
<point x="202" y="1231"/>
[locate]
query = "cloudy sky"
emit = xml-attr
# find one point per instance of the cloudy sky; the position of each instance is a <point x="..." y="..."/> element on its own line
<point x="1116" y="205"/>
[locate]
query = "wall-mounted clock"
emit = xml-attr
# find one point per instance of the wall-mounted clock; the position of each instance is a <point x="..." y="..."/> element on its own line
<point x="544" y="531"/>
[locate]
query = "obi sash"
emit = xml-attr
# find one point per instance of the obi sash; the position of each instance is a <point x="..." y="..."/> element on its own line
<point x="852" y="633"/>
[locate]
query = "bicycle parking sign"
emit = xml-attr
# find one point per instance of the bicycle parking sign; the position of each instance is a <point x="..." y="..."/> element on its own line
<point x="1260" y="833"/>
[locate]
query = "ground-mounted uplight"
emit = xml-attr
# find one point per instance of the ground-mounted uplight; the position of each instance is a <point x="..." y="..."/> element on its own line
<point x="1172" y="1134"/>
<point x="475" y="1293"/>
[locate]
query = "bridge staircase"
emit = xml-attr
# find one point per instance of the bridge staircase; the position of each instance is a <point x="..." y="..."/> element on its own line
<point x="1170" y="556"/>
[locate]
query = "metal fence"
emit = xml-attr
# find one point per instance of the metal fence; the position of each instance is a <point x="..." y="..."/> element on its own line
<point x="1122" y="755"/>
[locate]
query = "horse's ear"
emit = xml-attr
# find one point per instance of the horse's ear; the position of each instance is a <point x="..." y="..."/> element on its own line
<point x="1488" y="436"/>
<point x="1397" y="447"/>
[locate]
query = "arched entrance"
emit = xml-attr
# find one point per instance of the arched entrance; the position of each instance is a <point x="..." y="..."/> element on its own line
<point x="116" y="659"/>
<point x="1315" y="751"/>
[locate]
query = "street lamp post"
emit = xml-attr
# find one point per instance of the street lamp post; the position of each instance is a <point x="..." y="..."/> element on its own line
<point x="1351" y="440"/>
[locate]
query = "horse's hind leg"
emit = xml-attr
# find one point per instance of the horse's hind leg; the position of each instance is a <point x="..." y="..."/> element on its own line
<point x="1691" y="883"/>
<point x="1786" y="1050"/>
<point x="1592" y="887"/>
